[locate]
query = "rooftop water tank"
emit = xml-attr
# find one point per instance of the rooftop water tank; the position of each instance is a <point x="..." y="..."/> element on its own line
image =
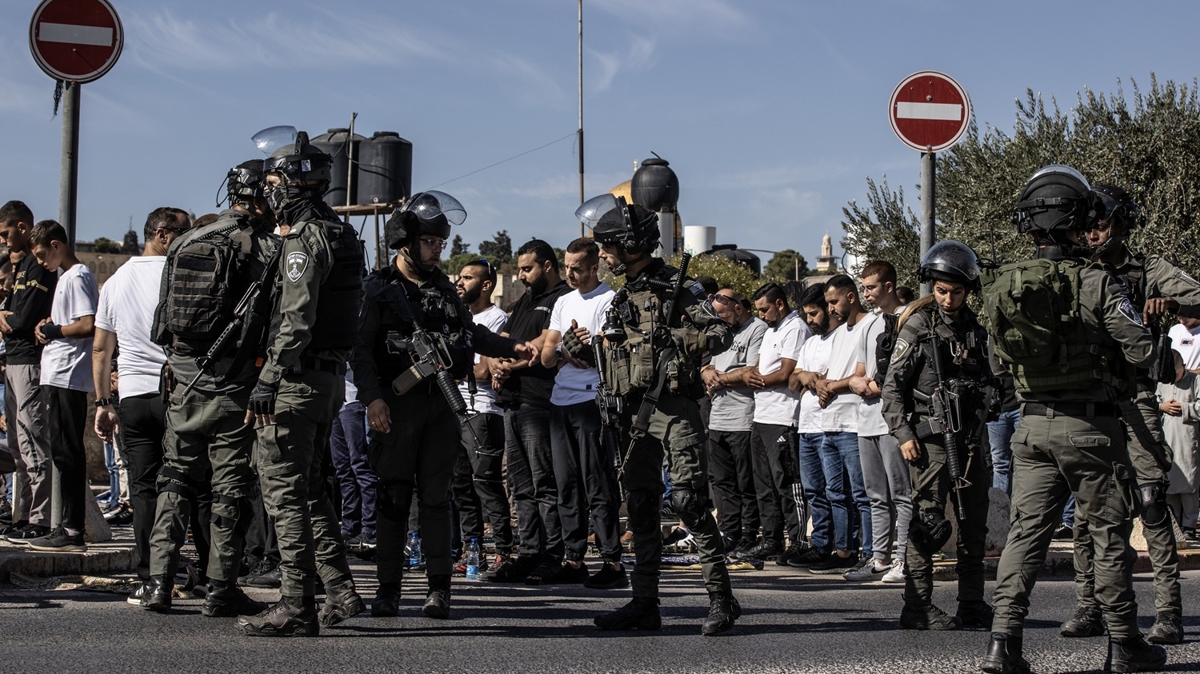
<point x="338" y="144"/>
<point x="384" y="169"/>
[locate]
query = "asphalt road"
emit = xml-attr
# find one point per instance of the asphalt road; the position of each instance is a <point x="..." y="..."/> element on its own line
<point x="793" y="622"/>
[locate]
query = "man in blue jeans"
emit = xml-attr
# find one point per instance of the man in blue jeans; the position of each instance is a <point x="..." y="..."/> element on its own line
<point x="1000" y="434"/>
<point x="359" y="484"/>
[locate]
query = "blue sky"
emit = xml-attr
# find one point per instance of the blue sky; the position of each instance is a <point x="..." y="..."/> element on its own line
<point x="772" y="112"/>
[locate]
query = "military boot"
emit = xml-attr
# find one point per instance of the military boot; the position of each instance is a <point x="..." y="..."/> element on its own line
<point x="157" y="595"/>
<point x="723" y="609"/>
<point x="927" y="617"/>
<point x="387" y="601"/>
<point x="225" y="600"/>
<point x="1134" y="655"/>
<point x="340" y="603"/>
<point x="639" y="614"/>
<point x="437" y="601"/>
<point x="975" y="613"/>
<point x="1168" y="629"/>
<point x="1088" y="622"/>
<point x="291" y="617"/>
<point x="1004" y="656"/>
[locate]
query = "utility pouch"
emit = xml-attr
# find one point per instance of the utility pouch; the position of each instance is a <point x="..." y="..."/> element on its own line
<point x="411" y="377"/>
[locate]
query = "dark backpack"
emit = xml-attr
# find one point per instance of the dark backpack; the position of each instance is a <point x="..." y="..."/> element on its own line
<point x="205" y="276"/>
<point x="884" y="345"/>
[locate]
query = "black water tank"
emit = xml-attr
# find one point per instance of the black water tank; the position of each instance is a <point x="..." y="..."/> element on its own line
<point x="338" y="144"/>
<point x="384" y="169"/>
<point x="732" y="252"/>
<point x="655" y="186"/>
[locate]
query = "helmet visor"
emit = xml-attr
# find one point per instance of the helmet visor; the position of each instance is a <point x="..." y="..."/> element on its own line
<point x="590" y="212"/>
<point x="1061" y="168"/>
<point x="429" y="205"/>
<point x="271" y="139"/>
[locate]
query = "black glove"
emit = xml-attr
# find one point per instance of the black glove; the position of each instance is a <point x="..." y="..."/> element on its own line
<point x="262" y="399"/>
<point x="51" y="331"/>
<point x="575" y="347"/>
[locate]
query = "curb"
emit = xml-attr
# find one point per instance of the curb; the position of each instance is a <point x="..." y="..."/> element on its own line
<point x="115" y="556"/>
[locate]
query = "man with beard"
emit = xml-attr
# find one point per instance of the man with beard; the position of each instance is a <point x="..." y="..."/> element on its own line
<point x="525" y="390"/>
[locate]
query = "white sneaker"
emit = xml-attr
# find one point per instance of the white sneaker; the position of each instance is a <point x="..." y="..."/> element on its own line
<point x="872" y="569"/>
<point x="897" y="573"/>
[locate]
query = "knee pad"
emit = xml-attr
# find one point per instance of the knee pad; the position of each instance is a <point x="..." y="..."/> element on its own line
<point x="394" y="501"/>
<point x="688" y="505"/>
<point x="1155" y="512"/>
<point x="644" y="508"/>
<point x="929" y="531"/>
<point x="173" y="480"/>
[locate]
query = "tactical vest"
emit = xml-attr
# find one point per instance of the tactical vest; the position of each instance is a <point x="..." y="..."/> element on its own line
<point x="336" y="324"/>
<point x="631" y="364"/>
<point x="437" y="310"/>
<point x="207" y="272"/>
<point x="884" y="345"/>
<point x="1032" y="312"/>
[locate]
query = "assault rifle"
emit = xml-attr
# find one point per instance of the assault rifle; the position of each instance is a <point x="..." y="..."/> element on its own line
<point x="250" y="319"/>
<point x="610" y="406"/>
<point x="946" y="410"/>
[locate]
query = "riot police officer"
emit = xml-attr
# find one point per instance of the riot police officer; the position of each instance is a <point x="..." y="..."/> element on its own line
<point x="416" y="338"/>
<point x="1069" y="338"/>
<point x="1155" y="286"/>
<point x="657" y="330"/>
<point x="302" y="384"/>
<point x="203" y="424"/>
<point x="933" y="402"/>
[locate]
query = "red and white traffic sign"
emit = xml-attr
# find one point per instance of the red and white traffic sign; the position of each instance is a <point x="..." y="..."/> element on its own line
<point x="929" y="111"/>
<point x="75" y="40"/>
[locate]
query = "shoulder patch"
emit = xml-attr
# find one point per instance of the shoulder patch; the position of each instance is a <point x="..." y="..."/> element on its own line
<point x="1127" y="310"/>
<point x="697" y="290"/>
<point x="297" y="264"/>
<point x="900" y="349"/>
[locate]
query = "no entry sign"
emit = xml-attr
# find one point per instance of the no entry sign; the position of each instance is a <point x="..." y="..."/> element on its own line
<point x="75" y="40"/>
<point x="929" y="111"/>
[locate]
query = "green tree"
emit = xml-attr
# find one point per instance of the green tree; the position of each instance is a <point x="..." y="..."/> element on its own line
<point x="885" y="230"/>
<point x="106" y="245"/>
<point x="458" y="246"/>
<point x="728" y="274"/>
<point x="499" y="249"/>
<point x="785" y="264"/>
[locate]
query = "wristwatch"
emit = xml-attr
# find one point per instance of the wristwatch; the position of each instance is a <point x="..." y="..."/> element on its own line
<point x="103" y="402"/>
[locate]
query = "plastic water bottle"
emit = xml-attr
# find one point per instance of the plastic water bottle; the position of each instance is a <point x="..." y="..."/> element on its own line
<point x="415" y="557"/>
<point x="473" y="559"/>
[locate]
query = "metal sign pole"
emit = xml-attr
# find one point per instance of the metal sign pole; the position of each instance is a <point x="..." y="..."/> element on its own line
<point x="928" y="191"/>
<point x="69" y="179"/>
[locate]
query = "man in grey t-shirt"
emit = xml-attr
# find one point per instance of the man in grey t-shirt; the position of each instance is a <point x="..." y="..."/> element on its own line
<point x="729" y="424"/>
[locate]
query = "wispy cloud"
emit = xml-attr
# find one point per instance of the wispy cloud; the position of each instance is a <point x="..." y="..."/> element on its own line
<point x="718" y="17"/>
<point x="637" y="55"/>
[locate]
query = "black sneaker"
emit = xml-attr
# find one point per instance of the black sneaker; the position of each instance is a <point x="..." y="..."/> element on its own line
<point x="975" y="614"/>
<point x="1168" y="629"/>
<point x="766" y="550"/>
<point x="266" y="575"/>
<point x="571" y="575"/>
<point x="834" y="564"/>
<point x="1134" y="655"/>
<point x="135" y="597"/>
<point x="5" y="511"/>
<point x="508" y="570"/>
<point x="1004" y="656"/>
<point x="723" y="610"/>
<point x="59" y="541"/>
<point x="608" y="578"/>
<point x="27" y="533"/>
<point x="122" y="516"/>
<point x="928" y="617"/>
<point x="437" y="603"/>
<point x="794" y="552"/>
<point x="1063" y="533"/>
<point x="13" y="528"/>
<point x="810" y="557"/>
<point x="291" y="617"/>
<point x="387" y="601"/>
<point x="1087" y="622"/>
<point x="340" y="603"/>
<point x="639" y="614"/>
<point x="229" y="601"/>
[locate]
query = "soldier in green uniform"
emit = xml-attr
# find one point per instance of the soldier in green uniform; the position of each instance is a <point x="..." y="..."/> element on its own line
<point x="203" y="419"/>
<point x="416" y="421"/>
<point x="302" y="385"/>
<point x="933" y="401"/>
<point x="1154" y="286"/>
<point x="1068" y="335"/>
<point x="652" y="350"/>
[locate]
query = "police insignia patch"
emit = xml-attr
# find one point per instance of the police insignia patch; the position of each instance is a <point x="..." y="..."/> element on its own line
<point x="900" y="349"/>
<point x="297" y="263"/>
<point x="1127" y="310"/>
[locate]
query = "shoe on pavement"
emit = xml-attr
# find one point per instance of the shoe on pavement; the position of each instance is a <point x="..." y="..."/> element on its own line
<point x="5" y="511"/>
<point x="546" y="573"/>
<point x="723" y="610"/>
<point x="871" y="569"/>
<point x="897" y="573"/>
<point x="1004" y="656"/>
<point x="135" y="597"/>
<point x="59" y="541"/>
<point x="1134" y="655"/>
<point x="387" y="601"/>
<point x="156" y="593"/>
<point x="639" y="614"/>
<point x="835" y="564"/>
<point x="27" y="533"/>
<point x="572" y="575"/>
<point x="290" y="617"/>
<point x="437" y="602"/>
<point x="508" y="570"/>
<point x="228" y="601"/>
<point x="608" y="578"/>
<point x="793" y="552"/>
<point x="340" y="603"/>
<point x="13" y="528"/>
<point x="766" y="550"/>
<point x="810" y="557"/>
<point x="1168" y="629"/>
<point x="265" y="574"/>
<point x="928" y="617"/>
<point x="976" y="613"/>
<point x="1087" y="622"/>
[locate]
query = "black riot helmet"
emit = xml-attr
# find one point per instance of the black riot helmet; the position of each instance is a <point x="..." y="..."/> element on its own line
<point x="950" y="261"/>
<point x="1115" y="206"/>
<point x="431" y="212"/>
<point x="304" y="170"/>
<point x="244" y="183"/>
<point x="1056" y="199"/>
<point x="613" y="221"/>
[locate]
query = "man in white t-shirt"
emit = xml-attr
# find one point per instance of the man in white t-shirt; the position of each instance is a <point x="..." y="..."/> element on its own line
<point x="1185" y="338"/>
<point x="124" y="318"/>
<point x="839" y="419"/>
<point x="813" y="363"/>
<point x="66" y="377"/>
<point x="583" y="466"/>
<point x="479" y="476"/>
<point x="885" y="472"/>
<point x="773" y="442"/>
